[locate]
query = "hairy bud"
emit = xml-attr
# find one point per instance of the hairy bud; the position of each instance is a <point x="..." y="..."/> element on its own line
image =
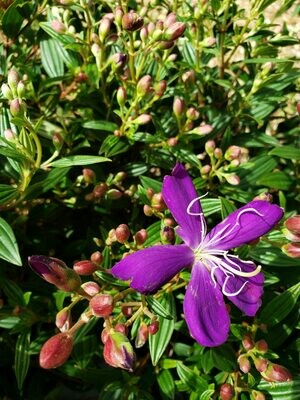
<point x="276" y="373"/>
<point x="63" y="320"/>
<point x="142" y="335"/>
<point x="102" y="305"/>
<point x="292" y="250"/>
<point x="226" y="391"/>
<point x="85" y="267"/>
<point x="91" y="288"/>
<point x="132" y="21"/>
<point x="118" y="351"/>
<point x="122" y="233"/>
<point x="140" y="237"/>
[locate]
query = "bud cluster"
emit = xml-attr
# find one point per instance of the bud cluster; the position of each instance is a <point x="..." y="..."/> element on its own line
<point x="14" y="91"/>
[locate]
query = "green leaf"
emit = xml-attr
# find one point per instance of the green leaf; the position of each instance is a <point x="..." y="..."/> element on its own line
<point x="7" y="193"/>
<point x="12" y="20"/>
<point x="166" y="384"/>
<point x="9" y="250"/>
<point x="264" y="254"/>
<point x="50" y="57"/>
<point x="9" y="322"/>
<point x="22" y="358"/>
<point x="276" y="180"/>
<point x="154" y="184"/>
<point x="73" y="161"/>
<point x="84" y="350"/>
<point x="13" y="292"/>
<point x="289" y="152"/>
<point x="157" y="308"/>
<point x="112" y="145"/>
<point x="100" y="125"/>
<point x="159" y="342"/>
<point x="281" y="390"/>
<point x="280" y="306"/>
<point x="226" y="207"/>
<point x="210" y="206"/>
<point x="108" y="278"/>
<point x="191" y="379"/>
<point x="224" y="358"/>
<point x="153" y="232"/>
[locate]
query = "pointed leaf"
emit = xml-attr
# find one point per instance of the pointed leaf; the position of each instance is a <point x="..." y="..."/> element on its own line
<point x="73" y="161"/>
<point x="9" y="250"/>
<point x="22" y="358"/>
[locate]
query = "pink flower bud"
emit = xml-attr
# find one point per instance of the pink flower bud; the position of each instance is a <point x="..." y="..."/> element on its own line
<point x="265" y="197"/>
<point x="290" y="235"/>
<point x="205" y="169"/>
<point x="170" y="20"/>
<point x="232" y="153"/>
<point x="132" y="21"/>
<point x="100" y="190"/>
<point x="58" y="26"/>
<point x="122" y="233"/>
<point x="160" y="88"/>
<point x="261" y="364"/>
<point x="118" y="15"/>
<point x="244" y="363"/>
<point x="56" y="272"/>
<point x="218" y="153"/>
<point x="97" y="257"/>
<point x="153" y="327"/>
<point x="178" y="107"/>
<point x="140" y="237"/>
<point x="17" y="107"/>
<point x="10" y="135"/>
<point x="122" y="328"/>
<point x="142" y="119"/>
<point x="292" y="250"/>
<point x="293" y="224"/>
<point x="91" y="288"/>
<point x="192" y="113"/>
<point x="144" y="34"/>
<point x="118" y="351"/>
<point x="247" y="342"/>
<point x="174" y="31"/>
<point x="233" y="179"/>
<point x="104" y="28"/>
<point x="258" y="395"/>
<point x="172" y="142"/>
<point x="121" y="96"/>
<point x="89" y="175"/>
<point x="189" y="77"/>
<point x="144" y="85"/>
<point x="262" y="346"/>
<point x="142" y="335"/>
<point x="165" y="44"/>
<point x="85" y="267"/>
<point x="63" y="320"/>
<point x="226" y="391"/>
<point x="210" y="146"/>
<point x="102" y="305"/>
<point x="57" y="140"/>
<point x="157" y="202"/>
<point x="56" y="351"/>
<point x="276" y="373"/>
<point x="203" y="129"/>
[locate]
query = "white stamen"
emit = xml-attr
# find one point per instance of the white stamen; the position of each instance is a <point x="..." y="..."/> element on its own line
<point x="202" y="219"/>
<point x="228" y="294"/>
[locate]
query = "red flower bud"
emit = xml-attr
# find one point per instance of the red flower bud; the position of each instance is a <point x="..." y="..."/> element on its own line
<point x="142" y="335"/>
<point x="157" y="202"/>
<point x="85" y="267"/>
<point x="293" y="224"/>
<point x="153" y="327"/>
<point x="292" y="250"/>
<point x="140" y="237"/>
<point x="244" y="363"/>
<point x="122" y="233"/>
<point x="132" y="21"/>
<point x="276" y="373"/>
<point x="56" y="351"/>
<point x="210" y="146"/>
<point x="174" y="31"/>
<point x="261" y="364"/>
<point x="226" y="391"/>
<point x="63" y="320"/>
<point x="261" y="346"/>
<point x="102" y="305"/>
<point x="247" y="342"/>
<point x="88" y="175"/>
<point x="143" y="85"/>
<point x="97" y="257"/>
<point x="56" y="272"/>
<point x="91" y="288"/>
<point x="178" y="106"/>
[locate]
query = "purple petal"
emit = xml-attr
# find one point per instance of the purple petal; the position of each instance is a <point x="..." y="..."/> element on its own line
<point x="244" y="225"/>
<point x="204" y="309"/>
<point x="151" y="268"/>
<point x="178" y="192"/>
<point x="249" y="298"/>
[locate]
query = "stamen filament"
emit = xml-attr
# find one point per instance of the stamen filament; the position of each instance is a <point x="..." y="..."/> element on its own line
<point x="228" y="294"/>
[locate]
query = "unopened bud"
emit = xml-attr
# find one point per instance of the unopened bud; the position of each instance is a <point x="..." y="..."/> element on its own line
<point x="142" y="119"/>
<point x="143" y="85"/>
<point x="118" y="60"/>
<point x="174" y="31"/>
<point x="96" y="257"/>
<point x="247" y="342"/>
<point x="226" y="391"/>
<point x="57" y="140"/>
<point x="56" y="351"/>
<point x="100" y="190"/>
<point x="122" y="328"/>
<point x="132" y="21"/>
<point x="170" y="20"/>
<point x="13" y="79"/>
<point x="6" y="91"/>
<point x="261" y="364"/>
<point x="265" y="196"/>
<point x="142" y="335"/>
<point x="298" y="107"/>
<point x="127" y="311"/>
<point x="89" y="175"/>
<point x="165" y="44"/>
<point x="205" y="169"/>
<point x="210" y="146"/>
<point x="172" y="142"/>
<point x="85" y="267"/>
<point x="189" y="77"/>
<point x="118" y="15"/>
<point x="56" y="272"/>
<point x="102" y="305"/>
<point x="17" y="107"/>
<point x="233" y="179"/>
<point x="258" y="395"/>
<point x="178" y="107"/>
<point x="104" y="28"/>
<point x="63" y="320"/>
<point x="122" y="233"/>
<point x="140" y="237"/>
<point x="157" y="202"/>
<point x="203" y="129"/>
<point x="95" y="49"/>
<point x="293" y="224"/>
<point x="114" y="194"/>
<point x="232" y="153"/>
<point x="91" y="288"/>
<point x="121" y="96"/>
<point x="153" y="327"/>
<point x="160" y="88"/>
<point x="192" y="113"/>
<point x="10" y="135"/>
<point x="261" y="346"/>
<point x="58" y="26"/>
<point x="218" y="153"/>
<point x="276" y="373"/>
<point x="244" y="364"/>
<point x="167" y="235"/>
<point x="118" y="351"/>
<point x="292" y="250"/>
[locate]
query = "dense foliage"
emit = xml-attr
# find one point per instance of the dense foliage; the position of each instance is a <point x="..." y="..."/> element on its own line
<point x="99" y="101"/>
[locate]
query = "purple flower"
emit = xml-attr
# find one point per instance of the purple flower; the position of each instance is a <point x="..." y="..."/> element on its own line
<point x="214" y="272"/>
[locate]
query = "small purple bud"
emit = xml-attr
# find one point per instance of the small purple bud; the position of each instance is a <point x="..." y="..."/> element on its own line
<point x="167" y="235"/>
<point x="56" y="272"/>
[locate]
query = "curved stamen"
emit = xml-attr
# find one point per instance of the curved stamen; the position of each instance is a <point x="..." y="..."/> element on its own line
<point x="229" y="268"/>
<point x="228" y="294"/>
<point x="250" y="209"/>
<point x="201" y="215"/>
